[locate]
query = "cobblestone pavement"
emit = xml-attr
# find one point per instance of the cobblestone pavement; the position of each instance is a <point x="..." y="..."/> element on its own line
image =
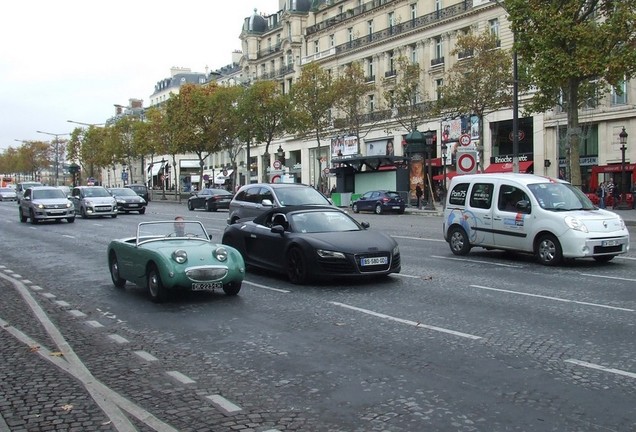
<point x="121" y="381"/>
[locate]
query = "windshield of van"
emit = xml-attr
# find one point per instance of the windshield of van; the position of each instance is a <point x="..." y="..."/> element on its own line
<point x="560" y="197"/>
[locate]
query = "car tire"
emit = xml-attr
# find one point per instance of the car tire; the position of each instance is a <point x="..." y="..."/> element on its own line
<point x="34" y="221"/>
<point x="70" y="220"/>
<point x="83" y="213"/>
<point x="378" y="209"/>
<point x="157" y="291"/>
<point x="458" y="241"/>
<point x="604" y="258"/>
<point x="232" y="288"/>
<point x="113" y="216"/>
<point x="548" y="250"/>
<point x="113" y="265"/>
<point x="355" y="208"/>
<point x="190" y="206"/>
<point x="23" y="218"/>
<point x="142" y="211"/>
<point x="296" y="264"/>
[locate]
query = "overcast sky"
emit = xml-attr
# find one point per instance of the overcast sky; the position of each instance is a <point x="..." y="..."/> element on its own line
<point x="74" y="59"/>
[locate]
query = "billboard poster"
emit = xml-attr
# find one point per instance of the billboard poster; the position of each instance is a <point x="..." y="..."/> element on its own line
<point x="384" y="147"/>
<point x="344" y="146"/>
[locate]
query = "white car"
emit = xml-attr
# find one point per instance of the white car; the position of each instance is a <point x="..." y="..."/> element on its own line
<point x="93" y="201"/>
<point x="41" y="203"/>
<point x="546" y="217"/>
<point x="7" y="194"/>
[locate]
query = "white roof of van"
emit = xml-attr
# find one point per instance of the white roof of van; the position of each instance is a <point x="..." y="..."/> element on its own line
<point x="518" y="177"/>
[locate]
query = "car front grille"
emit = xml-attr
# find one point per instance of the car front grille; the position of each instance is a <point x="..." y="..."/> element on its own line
<point x="608" y="249"/>
<point x="206" y="274"/>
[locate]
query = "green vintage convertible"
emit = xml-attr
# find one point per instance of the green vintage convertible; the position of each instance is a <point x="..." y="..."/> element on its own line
<point x="173" y="255"/>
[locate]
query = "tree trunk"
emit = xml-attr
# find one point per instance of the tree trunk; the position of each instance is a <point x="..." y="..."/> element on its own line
<point x="574" y="134"/>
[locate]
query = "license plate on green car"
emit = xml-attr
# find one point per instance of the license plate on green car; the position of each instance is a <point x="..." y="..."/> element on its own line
<point x="206" y="286"/>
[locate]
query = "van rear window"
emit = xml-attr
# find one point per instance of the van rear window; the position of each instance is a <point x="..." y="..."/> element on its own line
<point x="458" y="195"/>
<point x="481" y="195"/>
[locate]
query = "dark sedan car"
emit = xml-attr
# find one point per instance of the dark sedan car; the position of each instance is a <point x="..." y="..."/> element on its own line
<point x="210" y="200"/>
<point x="128" y="200"/>
<point x="379" y="201"/>
<point x="311" y="242"/>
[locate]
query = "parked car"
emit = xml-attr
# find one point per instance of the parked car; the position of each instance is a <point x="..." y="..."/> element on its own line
<point x="141" y="190"/>
<point x="210" y="199"/>
<point x="527" y="213"/>
<point x="128" y="200"/>
<point x="379" y="201"/>
<point x="312" y="242"/>
<point x="8" y="194"/>
<point x="91" y="201"/>
<point x="45" y="202"/>
<point x="21" y="187"/>
<point x="175" y="255"/>
<point x="254" y="199"/>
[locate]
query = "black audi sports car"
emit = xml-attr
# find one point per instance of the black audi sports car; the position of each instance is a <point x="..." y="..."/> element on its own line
<point x="313" y="242"/>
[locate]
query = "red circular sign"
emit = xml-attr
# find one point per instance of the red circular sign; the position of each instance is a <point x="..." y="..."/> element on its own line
<point x="464" y="139"/>
<point x="466" y="163"/>
<point x="277" y="164"/>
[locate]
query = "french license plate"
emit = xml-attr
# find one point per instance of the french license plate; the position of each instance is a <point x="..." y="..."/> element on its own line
<point x="610" y="243"/>
<point x="57" y="212"/>
<point x="374" y="261"/>
<point x="206" y="286"/>
<point x="133" y="205"/>
<point x="395" y="207"/>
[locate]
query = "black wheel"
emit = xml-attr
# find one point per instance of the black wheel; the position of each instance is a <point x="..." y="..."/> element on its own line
<point x="232" y="288"/>
<point x="157" y="291"/>
<point x="70" y="220"/>
<point x="378" y="209"/>
<point x="355" y="208"/>
<point x="83" y="213"/>
<point x="296" y="266"/>
<point x="190" y="206"/>
<point x="23" y="218"/>
<point x="114" y="271"/>
<point x="458" y="241"/>
<point x="548" y="250"/>
<point x="113" y="216"/>
<point x="208" y="206"/>
<point x="34" y="221"/>
<point x="142" y="211"/>
<point x="604" y="258"/>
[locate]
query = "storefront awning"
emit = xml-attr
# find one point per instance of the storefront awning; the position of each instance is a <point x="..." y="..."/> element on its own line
<point x="524" y="167"/>
<point x="190" y="163"/>
<point x="155" y="168"/>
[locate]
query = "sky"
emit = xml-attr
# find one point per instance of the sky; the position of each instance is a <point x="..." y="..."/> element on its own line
<point x="75" y="59"/>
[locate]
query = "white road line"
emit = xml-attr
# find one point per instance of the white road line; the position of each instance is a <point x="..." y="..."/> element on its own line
<point x="266" y="287"/>
<point x="95" y="324"/>
<point x="118" y="339"/>
<point x="62" y="303"/>
<point x="553" y="298"/>
<point x="601" y="368"/>
<point x="608" y="277"/>
<point x="224" y="405"/>
<point x="68" y="236"/>
<point x="407" y="322"/>
<point x="406" y="276"/>
<point x="184" y="379"/>
<point x="477" y="261"/>
<point x="146" y="356"/>
<point x="77" y="313"/>
<point x="625" y="257"/>
<point x="419" y="238"/>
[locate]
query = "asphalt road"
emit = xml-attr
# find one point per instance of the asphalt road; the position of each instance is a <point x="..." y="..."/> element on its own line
<point x="487" y="342"/>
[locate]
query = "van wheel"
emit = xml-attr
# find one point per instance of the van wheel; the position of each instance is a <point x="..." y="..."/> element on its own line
<point x="458" y="241"/>
<point x="548" y="250"/>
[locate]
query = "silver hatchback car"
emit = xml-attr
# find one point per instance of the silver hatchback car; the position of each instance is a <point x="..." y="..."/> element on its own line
<point x="253" y="199"/>
<point x="45" y="202"/>
<point x="93" y="201"/>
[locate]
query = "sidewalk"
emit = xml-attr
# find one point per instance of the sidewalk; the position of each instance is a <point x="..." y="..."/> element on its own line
<point x="629" y="216"/>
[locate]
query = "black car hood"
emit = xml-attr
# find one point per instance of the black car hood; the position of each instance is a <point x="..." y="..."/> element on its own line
<point x="351" y="241"/>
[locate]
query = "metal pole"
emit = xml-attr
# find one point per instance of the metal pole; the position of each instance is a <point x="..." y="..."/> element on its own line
<point x="515" y="113"/>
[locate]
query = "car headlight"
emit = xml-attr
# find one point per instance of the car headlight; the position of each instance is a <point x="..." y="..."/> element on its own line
<point x="396" y="250"/>
<point x="88" y="202"/>
<point x="220" y="254"/>
<point x="40" y="206"/>
<point x="69" y="205"/>
<point x="121" y="201"/>
<point x="329" y="254"/>
<point x="180" y="256"/>
<point x="575" y="224"/>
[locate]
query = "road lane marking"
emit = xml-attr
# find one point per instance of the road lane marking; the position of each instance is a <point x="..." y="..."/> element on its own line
<point x="224" y="405"/>
<point x="601" y="368"/>
<point x="419" y="238"/>
<point x="407" y="322"/>
<point x="608" y="277"/>
<point x="406" y="276"/>
<point x="68" y="236"/>
<point x="478" y="261"/>
<point x="184" y="379"/>
<point x="146" y="356"/>
<point x="118" y="339"/>
<point x="266" y="287"/>
<point x="552" y="298"/>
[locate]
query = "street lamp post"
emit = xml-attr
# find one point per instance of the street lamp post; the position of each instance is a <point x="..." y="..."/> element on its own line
<point x="57" y="154"/>
<point x="163" y="179"/>
<point x="444" y="155"/>
<point x="623" y="140"/>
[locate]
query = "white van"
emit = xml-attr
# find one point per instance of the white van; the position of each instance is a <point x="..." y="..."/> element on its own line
<point x="528" y="213"/>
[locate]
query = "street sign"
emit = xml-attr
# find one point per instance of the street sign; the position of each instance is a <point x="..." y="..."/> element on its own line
<point x="277" y="164"/>
<point x="467" y="162"/>
<point x="464" y="140"/>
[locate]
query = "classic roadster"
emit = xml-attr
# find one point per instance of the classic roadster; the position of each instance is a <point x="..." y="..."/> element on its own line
<point x="175" y="255"/>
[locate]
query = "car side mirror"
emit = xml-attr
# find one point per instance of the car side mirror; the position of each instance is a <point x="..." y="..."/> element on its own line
<point x="365" y="225"/>
<point x="76" y="196"/>
<point x="267" y="203"/>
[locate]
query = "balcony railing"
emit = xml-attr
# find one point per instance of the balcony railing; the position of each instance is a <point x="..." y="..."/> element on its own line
<point x="437" y="61"/>
<point x="389" y="74"/>
<point x="369" y="78"/>
<point x="465" y="54"/>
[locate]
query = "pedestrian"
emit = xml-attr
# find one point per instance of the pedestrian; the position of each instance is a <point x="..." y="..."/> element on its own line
<point x="418" y="194"/>
<point x="333" y="190"/>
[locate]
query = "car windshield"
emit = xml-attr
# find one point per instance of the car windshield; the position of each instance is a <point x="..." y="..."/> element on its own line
<point x="5" y="190"/>
<point x="560" y="197"/>
<point x="215" y="192"/>
<point x="138" y="189"/>
<point x="123" y="192"/>
<point x="321" y="221"/>
<point x="171" y="229"/>
<point x="96" y="192"/>
<point x="301" y="196"/>
<point x="47" y="194"/>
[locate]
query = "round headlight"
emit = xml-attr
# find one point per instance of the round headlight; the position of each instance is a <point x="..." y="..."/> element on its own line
<point x="180" y="256"/>
<point x="69" y="205"/>
<point x="220" y="253"/>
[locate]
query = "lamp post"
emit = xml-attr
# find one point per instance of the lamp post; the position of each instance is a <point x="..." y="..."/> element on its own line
<point x="124" y="174"/>
<point x="623" y="140"/>
<point x="280" y="153"/>
<point x="114" y="176"/>
<point x="163" y="179"/>
<point x="444" y="155"/>
<point x="57" y="154"/>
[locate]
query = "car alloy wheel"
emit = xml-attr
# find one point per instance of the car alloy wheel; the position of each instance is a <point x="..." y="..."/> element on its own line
<point x="114" y="271"/>
<point x="158" y="292"/>
<point x="296" y="266"/>
<point x="458" y="241"/>
<point x="548" y="250"/>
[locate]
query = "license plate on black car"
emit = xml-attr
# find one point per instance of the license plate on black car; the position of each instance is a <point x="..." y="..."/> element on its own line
<point x="374" y="261"/>
<point x="206" y="286"/>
